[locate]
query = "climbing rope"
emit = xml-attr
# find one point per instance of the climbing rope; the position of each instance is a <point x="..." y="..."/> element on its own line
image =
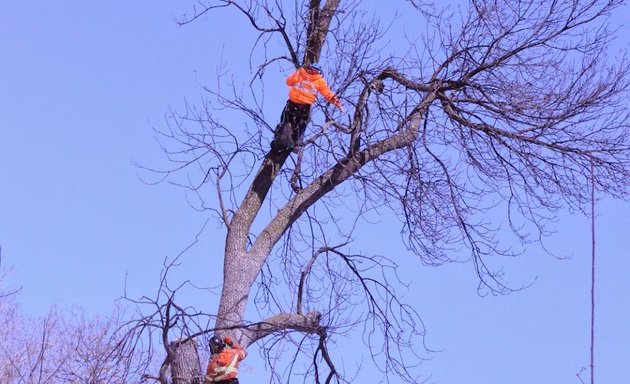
<point x="592" y="272"/>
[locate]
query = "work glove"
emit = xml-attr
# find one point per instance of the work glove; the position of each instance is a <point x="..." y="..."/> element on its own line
<point x="228" y="341"/>
<point x="337" y="103"/>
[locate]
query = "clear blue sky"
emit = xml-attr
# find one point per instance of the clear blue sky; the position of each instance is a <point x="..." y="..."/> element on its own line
<point x="81" y="84"/>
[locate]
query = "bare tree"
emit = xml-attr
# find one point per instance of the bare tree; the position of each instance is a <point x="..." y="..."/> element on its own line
<point x="92" y="353"/>
<point x="65" y="349"/>
<point x="10" y="320"/>
<point x="500" y="107"/>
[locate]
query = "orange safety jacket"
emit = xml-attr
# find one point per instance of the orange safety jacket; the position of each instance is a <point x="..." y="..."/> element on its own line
<point x="224" y="365"/>
<point x="305" y="85"/>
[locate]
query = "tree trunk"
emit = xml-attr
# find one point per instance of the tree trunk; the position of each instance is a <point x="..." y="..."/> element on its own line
<point x="186" y="366"/>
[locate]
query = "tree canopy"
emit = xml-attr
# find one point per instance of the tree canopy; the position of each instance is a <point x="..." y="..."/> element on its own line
<point x="499" y="106"/>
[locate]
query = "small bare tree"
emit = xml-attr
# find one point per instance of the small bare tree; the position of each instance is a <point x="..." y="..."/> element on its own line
<point x="65" y="349"/>
<point x="501" y="107"/>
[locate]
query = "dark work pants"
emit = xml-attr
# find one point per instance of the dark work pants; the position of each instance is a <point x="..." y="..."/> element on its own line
<point x="231" y="381"/>
<point x="293" y="122"/>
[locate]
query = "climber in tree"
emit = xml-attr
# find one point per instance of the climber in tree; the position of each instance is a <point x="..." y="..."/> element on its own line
<point x="223" y="364"/>
<point x="304" y="85"/>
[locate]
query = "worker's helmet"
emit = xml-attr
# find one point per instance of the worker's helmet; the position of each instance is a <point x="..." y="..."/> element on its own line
<point x="216" y="344"/>
<point x="316" y="67"/>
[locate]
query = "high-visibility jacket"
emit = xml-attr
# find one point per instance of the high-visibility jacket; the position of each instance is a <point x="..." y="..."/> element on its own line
<point x="304" y="86"/>
<point x="224" y="365"/>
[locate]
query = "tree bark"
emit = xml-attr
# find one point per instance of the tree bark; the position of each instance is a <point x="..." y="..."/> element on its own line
<point x="186" y="366"/>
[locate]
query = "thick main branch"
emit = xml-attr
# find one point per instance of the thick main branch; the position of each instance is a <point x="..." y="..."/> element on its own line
<point x="242" y="267"/>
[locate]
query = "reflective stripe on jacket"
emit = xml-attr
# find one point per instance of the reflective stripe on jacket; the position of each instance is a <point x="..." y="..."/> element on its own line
<point x="224" y="365"/>
<point x="304" y="86"/>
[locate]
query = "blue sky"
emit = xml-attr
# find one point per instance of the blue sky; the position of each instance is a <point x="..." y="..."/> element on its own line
<point x="81" y="85"/>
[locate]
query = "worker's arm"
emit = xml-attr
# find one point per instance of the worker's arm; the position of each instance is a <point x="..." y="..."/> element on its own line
<point x="323" y="88"/>
<point x="242" y="353"/>
<point x="240" y="350"/>
<point x="209" y="378"/>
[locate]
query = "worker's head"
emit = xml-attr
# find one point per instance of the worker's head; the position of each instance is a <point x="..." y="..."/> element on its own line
<point x="216" y="345"/>
<point x="315" y="68"/>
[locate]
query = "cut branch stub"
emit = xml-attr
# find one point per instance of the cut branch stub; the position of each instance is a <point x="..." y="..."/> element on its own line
<point x="283" y="322"/>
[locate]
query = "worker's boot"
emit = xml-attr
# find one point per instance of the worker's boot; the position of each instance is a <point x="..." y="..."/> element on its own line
<point x="284" y="137"/>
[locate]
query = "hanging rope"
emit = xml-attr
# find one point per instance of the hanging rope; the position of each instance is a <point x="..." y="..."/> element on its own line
<point x="296" y="15"/>
<point x="592" y="272"/>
